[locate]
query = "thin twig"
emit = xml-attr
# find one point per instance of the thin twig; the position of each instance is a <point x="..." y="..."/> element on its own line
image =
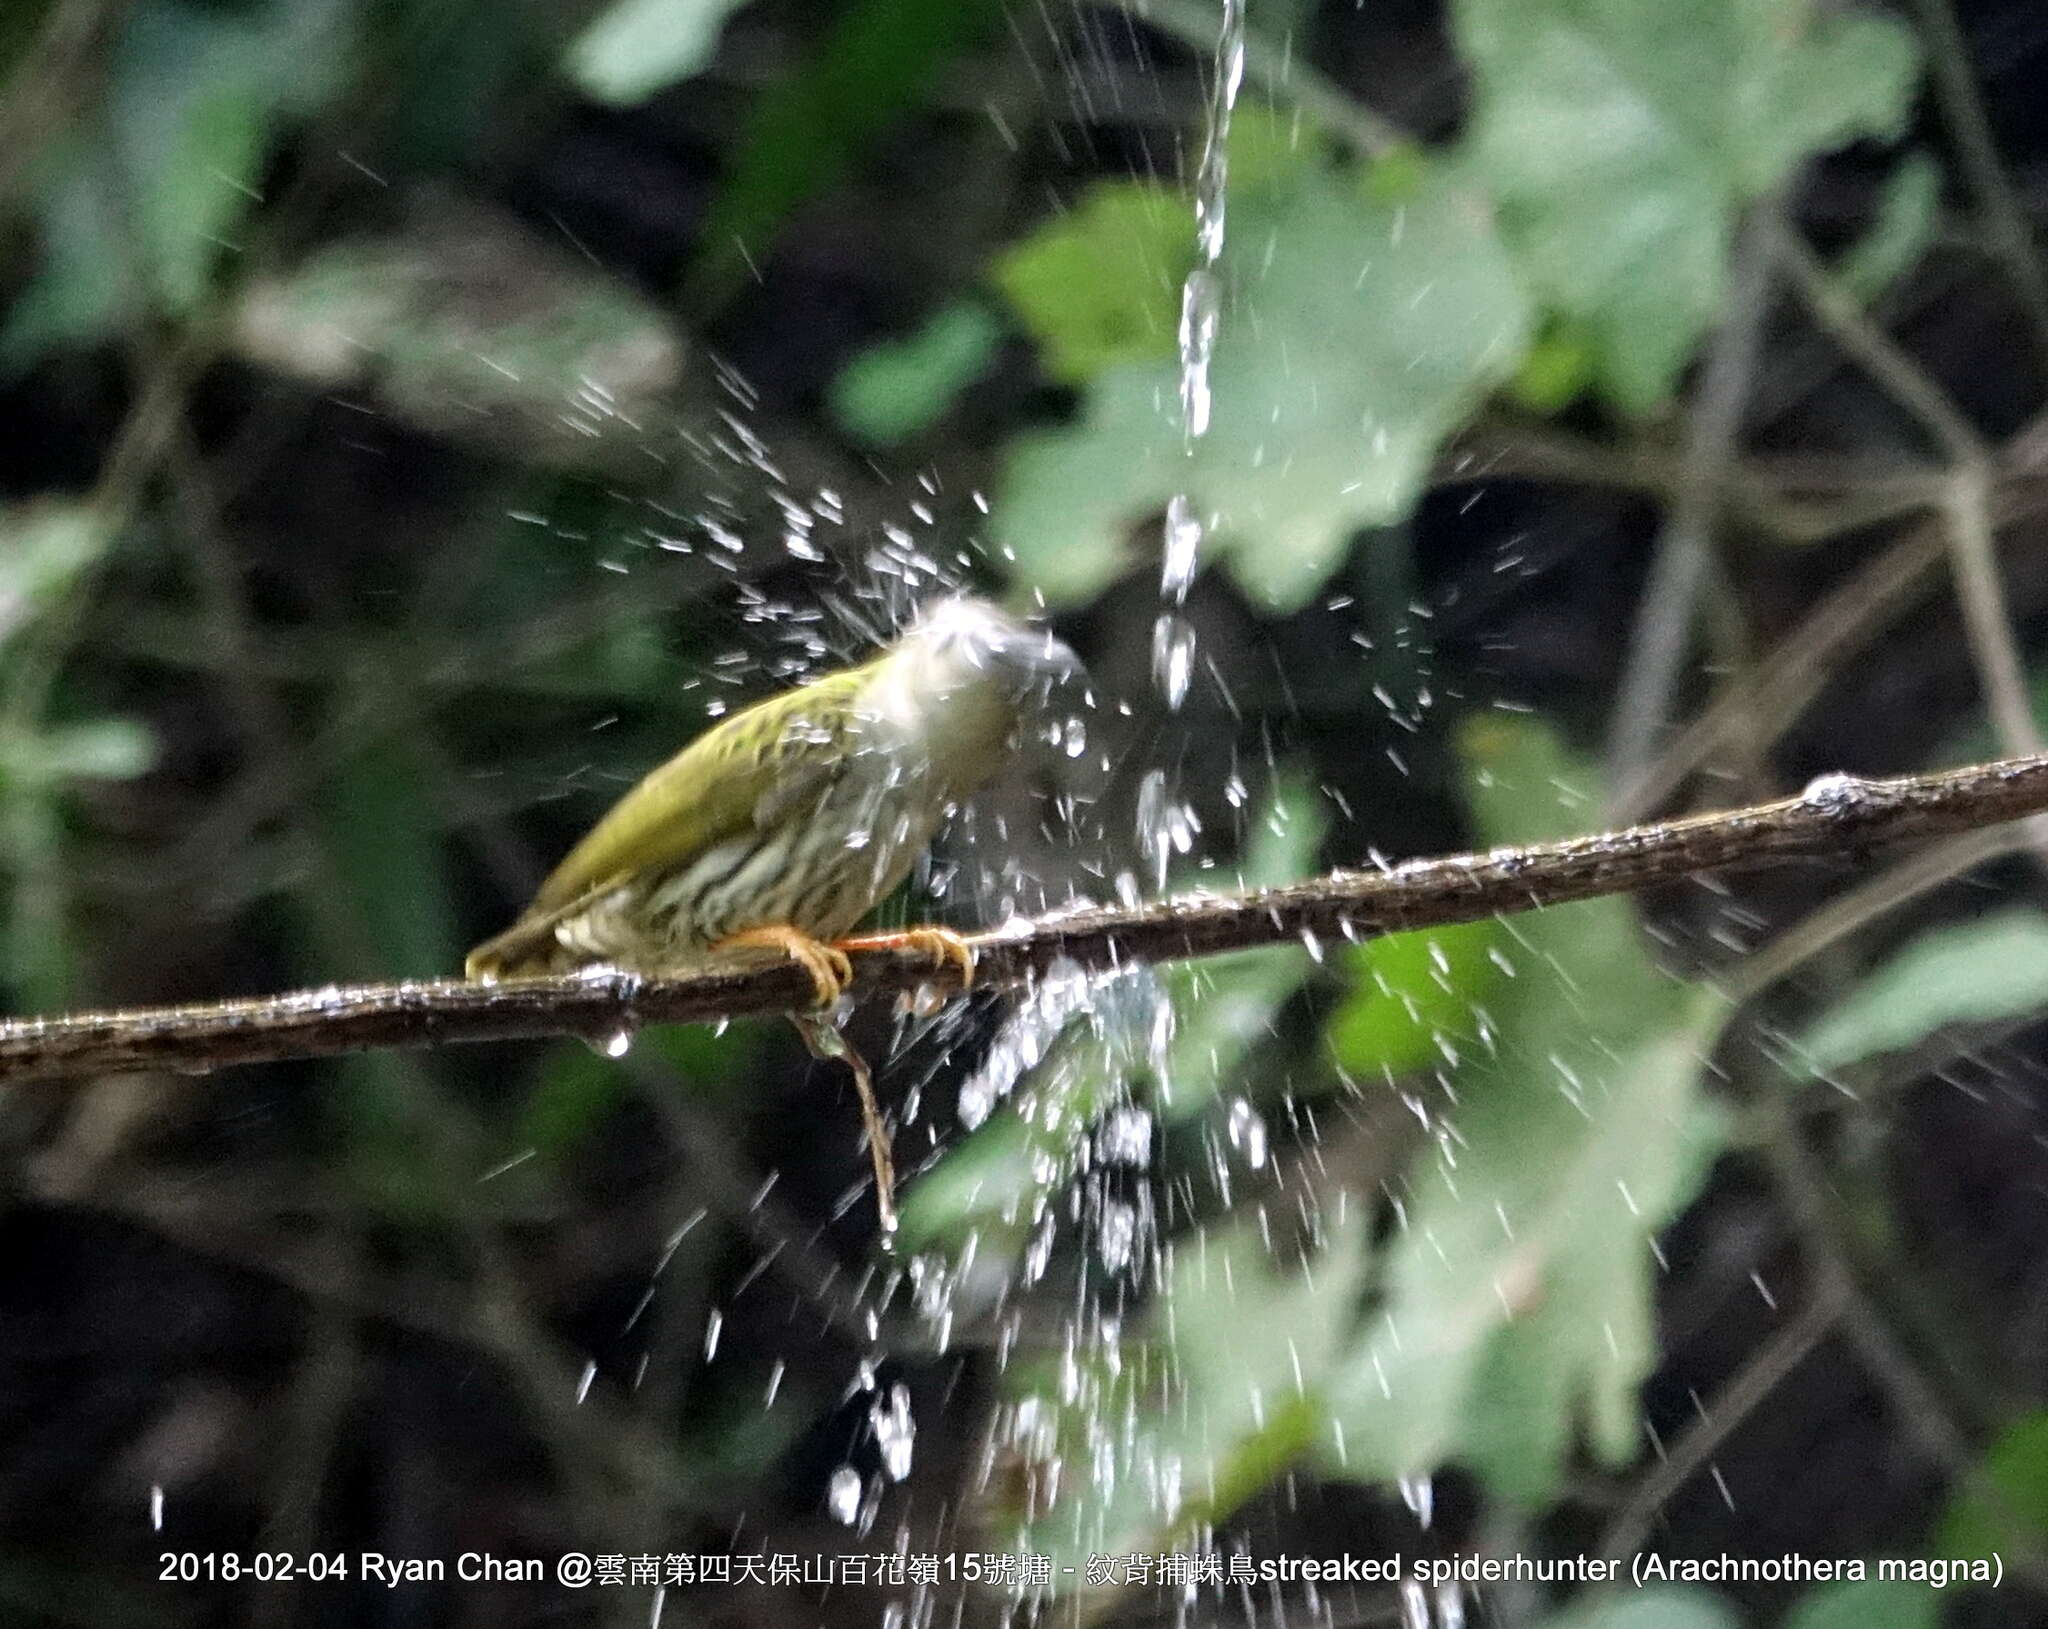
<point x="1873" y="350"/>
<point x="827" y="1043"/>
<point x="1987" y="618"/>
<point x="1758" y="1377"/>
<point x="1679" y="568"/>
<point x="1769" y="698"/>
<point x="1858" y="907"/>
<point x="1838" y="817"/>
<point x="1962" y="108"/>
<point x="1966" y="505"/>
<point x="1926" y="1416"/>
<point x="37" y="99"/>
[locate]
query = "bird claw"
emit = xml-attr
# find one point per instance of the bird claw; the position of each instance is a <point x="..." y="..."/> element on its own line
<point x="945" y="947"/>
<point x="828" y="966"/>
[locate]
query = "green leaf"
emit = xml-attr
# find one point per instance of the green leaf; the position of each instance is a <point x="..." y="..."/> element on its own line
<point x="197" y="195"/>
<point x="1977" y="972"/>
<point x="638" y="47"/>
<point x="1907" y="212"/>
<point x="465" y="323"/>
<point x="809" y="128"/>
<point x="895" y="391"/>
<point x="1557" y="370"/>
<point x="1511" y="1310"/>
<point x="1619" y="140"/>
<point x="1864" y="1603"/>
<point x="193" y="92"/>
<point x="44" y="544"/>
<point x="1665" y="1606"/>
<point x="2006" y="1506"/>
<point x="1355" y="336"/>
<point x="1101" y="284"/>
<point x="106" y="749"/>
<point x="1214" y="1402"/>
<point x="1518" y="1304"/>
<point x="41" y="949"/>
<point x="1414" y="1002"/>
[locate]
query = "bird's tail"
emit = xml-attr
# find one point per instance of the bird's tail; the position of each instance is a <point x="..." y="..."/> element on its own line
<point x="527" y="948"/>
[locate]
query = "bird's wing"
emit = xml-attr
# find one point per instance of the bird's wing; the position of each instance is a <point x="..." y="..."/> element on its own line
<point x="744" y="774"/>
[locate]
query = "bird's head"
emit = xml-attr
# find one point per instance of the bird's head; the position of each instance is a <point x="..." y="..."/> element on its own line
<point x="960" y="641"/>
<point x="963" y="675"/>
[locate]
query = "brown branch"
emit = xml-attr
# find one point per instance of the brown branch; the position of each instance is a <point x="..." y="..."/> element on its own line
<point x="1837" y="817"/>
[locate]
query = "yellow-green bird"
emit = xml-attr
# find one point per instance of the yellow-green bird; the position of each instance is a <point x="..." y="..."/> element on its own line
<point x="780" y="828"/>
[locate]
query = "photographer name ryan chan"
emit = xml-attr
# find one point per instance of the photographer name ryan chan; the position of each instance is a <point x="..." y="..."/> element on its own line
<point x="471" y="1567"/>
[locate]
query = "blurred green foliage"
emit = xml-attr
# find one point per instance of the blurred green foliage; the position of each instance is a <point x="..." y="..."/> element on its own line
<point x="1978" y="973"/>
<point x="1485" y="1300"/>
<point x="1367" y="314"/>
<point x="1617" y="141"/>
<point x="637" y="47"/>
<point x="1512" y="1307"/>
<point x="1327" y="415"/>
<point x="807" y="129"/>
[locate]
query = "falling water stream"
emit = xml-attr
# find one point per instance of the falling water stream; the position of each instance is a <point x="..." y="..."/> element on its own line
<point x="1119" y="1025"/>
<point x="1201" y="316"/>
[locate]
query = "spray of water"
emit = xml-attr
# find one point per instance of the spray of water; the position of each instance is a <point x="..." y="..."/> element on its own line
<point x="1201" y="316"/>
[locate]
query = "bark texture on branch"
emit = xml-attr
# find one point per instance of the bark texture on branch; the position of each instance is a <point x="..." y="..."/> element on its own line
<point x="1836" y="817"/>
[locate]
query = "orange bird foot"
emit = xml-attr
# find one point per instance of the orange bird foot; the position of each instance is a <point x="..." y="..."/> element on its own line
<point x="945" y="947"/>
<point x="830" y="971"/>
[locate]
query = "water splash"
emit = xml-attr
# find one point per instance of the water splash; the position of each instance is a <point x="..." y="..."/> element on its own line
<point x="895" y="1431"/>
<point x="1173" y="656"/>
<point x="1247" y="1130"/>
<point x="1166" y="826"/>
<point x="1418" y="1493"/>
<point x="1201" y="319"/>
<point x="843" y="1498"/>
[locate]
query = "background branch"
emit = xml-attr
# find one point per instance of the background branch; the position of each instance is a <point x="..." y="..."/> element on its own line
<point x="1836" y="816"/>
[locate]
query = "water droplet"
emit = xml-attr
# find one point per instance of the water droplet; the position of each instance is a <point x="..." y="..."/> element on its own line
<point x="1116" y="1235"/>
<point x="156" y="1507"/>
<point x="895" y="1431"/>
<point x="714" y="1326"/>
<point x="843" y="1498"/>
<point x="1166" y="826"/>
<point x="1173" y="657"/>
<point x="615" y="1045"/>
<point x="1418" y="1493"/>
<point x="1414" y="1605"/>
<point x="1182" y="548"/>
<point x="1248" y="1134"/>
<point x="1201" y="312"/>
<point x="1126" y="1137"/>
